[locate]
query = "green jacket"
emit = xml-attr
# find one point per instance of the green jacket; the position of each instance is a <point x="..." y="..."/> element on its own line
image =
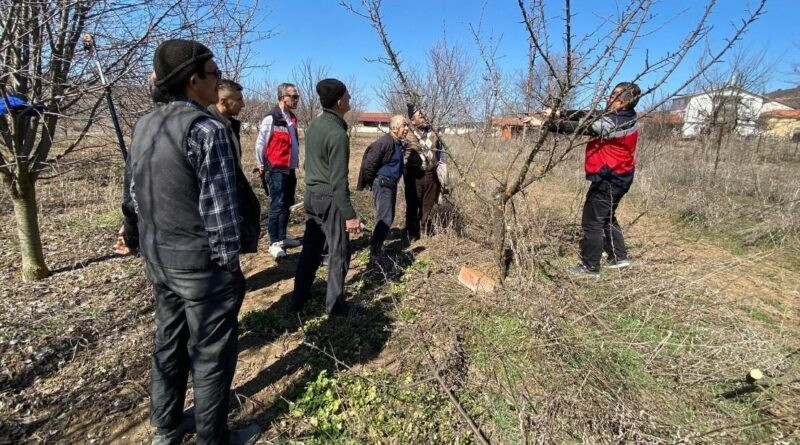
<point x="327" y="159"/>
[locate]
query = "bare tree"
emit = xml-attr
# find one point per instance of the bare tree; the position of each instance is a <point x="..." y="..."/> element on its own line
<point x="305" y="76"/>
<point x="579" y="67"/>
<point x="41" y="63"/>
<point x="357" y="102"/>
<point x="260" y="98"/>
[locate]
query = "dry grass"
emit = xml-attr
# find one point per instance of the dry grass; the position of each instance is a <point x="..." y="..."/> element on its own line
<point x="644" y="355"/>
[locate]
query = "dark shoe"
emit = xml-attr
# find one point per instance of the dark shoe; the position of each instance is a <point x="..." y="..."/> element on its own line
<point x="618" y="264"/>
<point x="247" y="435"/>
<point x="581" y="270"/>
<point x="348" y="310"/>
<point x="411" y="236"/>
<point x="380" y="263"/>
<point x="175" y="437"/>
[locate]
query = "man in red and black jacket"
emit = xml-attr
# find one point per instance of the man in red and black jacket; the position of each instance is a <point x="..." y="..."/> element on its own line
<point x="610" y="164"/>
<point x="277" y="158"/>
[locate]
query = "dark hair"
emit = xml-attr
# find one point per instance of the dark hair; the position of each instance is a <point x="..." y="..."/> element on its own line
<point x="630" y="93"/>
<point x="227" y="84"/>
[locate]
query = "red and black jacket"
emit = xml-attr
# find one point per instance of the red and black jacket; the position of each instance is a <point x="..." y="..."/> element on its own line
<point x="611" y="153"/>
<point x="278" y="149"/>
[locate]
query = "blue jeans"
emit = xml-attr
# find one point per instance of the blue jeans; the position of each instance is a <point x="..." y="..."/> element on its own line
<point x="282" y="187"/>
<point x="384" y="195"/>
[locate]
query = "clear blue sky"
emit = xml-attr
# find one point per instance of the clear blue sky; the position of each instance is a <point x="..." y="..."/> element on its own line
<point x="323" y="31"/>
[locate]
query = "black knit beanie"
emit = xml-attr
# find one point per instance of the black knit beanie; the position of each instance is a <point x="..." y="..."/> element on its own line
<point x="411" y="110"/>
<point x="330" y="91"/>
<point x="175" y="61"/>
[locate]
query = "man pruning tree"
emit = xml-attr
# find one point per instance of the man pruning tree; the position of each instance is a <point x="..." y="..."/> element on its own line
<point x="610" y="164"/>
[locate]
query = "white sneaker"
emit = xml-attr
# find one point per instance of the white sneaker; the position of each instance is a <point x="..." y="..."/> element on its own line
<point x="288" y="242"/>
<point x="276" y="250"/>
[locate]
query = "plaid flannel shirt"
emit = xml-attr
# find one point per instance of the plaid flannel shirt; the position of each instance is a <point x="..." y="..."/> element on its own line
<point x="209" y="151"/>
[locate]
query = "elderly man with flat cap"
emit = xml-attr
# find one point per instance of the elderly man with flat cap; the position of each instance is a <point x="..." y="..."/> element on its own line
<point x="329" y="212"/>
<point x="188" y="191"/>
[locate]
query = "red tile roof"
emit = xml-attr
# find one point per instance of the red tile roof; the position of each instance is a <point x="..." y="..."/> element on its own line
<point x="782" y="114"/>
<point x="507" y="121"/>
<point x="379" y="117"/>
<point x="662" y="117"/>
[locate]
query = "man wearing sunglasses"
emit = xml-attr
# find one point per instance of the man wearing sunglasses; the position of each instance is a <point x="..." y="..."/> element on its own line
<point x="277" y="158"/>
<point x="190" y="216"/>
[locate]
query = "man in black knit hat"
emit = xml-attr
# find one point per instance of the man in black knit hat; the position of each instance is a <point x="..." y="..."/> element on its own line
<point x="329" y="212"/>
<point x="193" y="221"/>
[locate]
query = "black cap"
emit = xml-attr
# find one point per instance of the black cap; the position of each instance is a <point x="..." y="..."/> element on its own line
<point x="411" y="110"/>
<point x="175" y="60"/>
<point x="330" y="91"/>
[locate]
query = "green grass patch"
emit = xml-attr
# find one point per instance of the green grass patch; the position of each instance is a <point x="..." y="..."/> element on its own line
<point x="762" y="317"/>
<point x="378" y="408"/>
<point x="259" y="321"/>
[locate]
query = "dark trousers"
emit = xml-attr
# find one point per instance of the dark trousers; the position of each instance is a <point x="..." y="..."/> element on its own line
<point x="324" y="222"/>
<point x="601" y="231"/>
<point x="281" y="190"/>
<point x="384" y="196"/>
<point x="421" y="195"/>
<point x="196" y="329"/>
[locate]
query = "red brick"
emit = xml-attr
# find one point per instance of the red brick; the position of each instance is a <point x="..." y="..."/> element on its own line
<point x="476" y="280"/>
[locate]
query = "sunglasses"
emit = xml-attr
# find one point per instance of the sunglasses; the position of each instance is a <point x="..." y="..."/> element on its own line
<point x="217" y="73"/>
<point x="293" y="96"/>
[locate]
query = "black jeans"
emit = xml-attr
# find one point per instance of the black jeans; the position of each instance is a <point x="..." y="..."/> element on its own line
<point x="601" y="231"/>
<point x="324" y="222"/>
<point x="282" y="187"/>
<point x="384" y="195"/>
<point x="196" y="329"/>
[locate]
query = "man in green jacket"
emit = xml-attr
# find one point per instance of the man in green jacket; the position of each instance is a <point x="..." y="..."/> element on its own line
<point x="329" y="212"/>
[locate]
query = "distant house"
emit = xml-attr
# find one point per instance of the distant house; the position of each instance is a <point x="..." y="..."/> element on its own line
<point x="730" y="106"/>
<point x="784" y="123"/>
<point x="372" y="122"/>
<point x="508" y="127"/>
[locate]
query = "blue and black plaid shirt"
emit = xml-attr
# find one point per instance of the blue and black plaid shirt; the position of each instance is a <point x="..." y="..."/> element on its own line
<point x="209" y="150"/>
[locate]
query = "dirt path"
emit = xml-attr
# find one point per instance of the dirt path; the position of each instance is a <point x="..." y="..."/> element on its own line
<point x="271" y="363"/>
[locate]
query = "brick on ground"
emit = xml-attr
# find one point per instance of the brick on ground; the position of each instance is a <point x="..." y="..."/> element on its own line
<point x="475" y="280"/>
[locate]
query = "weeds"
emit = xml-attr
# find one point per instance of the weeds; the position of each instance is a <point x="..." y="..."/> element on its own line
<point x="373" y="408"/>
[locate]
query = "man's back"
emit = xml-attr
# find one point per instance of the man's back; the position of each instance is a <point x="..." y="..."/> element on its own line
<point x="166" y="189"/>
<point x="327" y="158"/>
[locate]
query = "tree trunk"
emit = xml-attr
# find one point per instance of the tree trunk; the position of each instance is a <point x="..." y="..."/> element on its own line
<point x="718" y="145"/>
<point x="499" y="238"/>
<point x="30" y="241"/>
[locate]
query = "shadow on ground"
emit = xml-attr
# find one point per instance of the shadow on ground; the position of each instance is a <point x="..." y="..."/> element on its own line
<point x="330" y="343"/>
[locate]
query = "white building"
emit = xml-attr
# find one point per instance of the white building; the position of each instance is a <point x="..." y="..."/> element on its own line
<point x="731" y="106"/>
